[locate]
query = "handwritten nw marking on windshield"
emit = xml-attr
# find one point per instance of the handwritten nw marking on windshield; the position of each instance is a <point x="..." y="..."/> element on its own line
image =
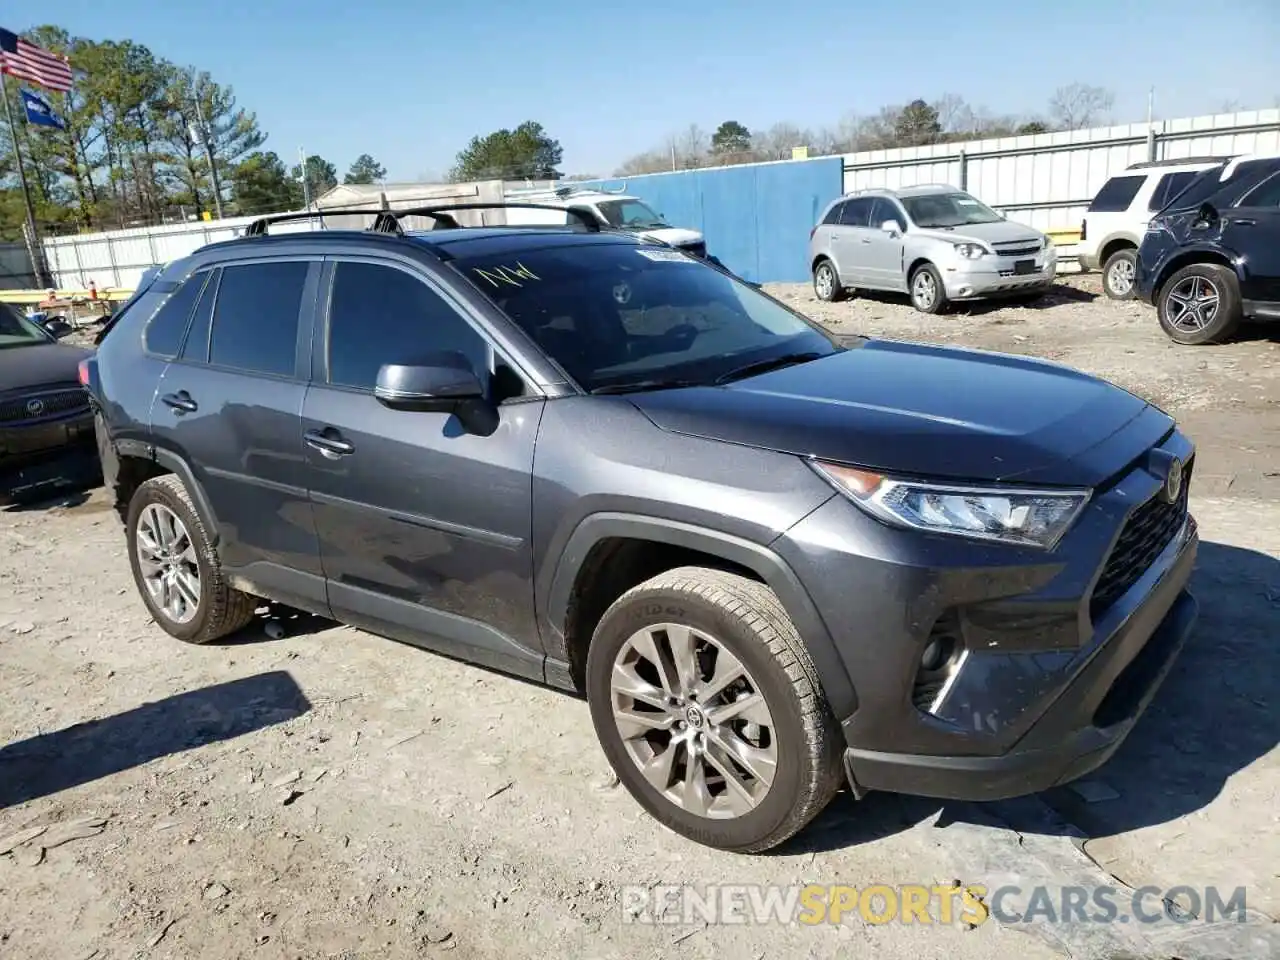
<point x="509" y="275"/>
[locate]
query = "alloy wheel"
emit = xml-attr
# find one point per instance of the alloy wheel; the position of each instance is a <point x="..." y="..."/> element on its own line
<point x="167" y="560"/>
<point x="694" y="721"/>
<point x="923" y="290"/>
<point x="825" y="282"/>
<point x="1192" y="304"/>
<point x="1120" y="276"/>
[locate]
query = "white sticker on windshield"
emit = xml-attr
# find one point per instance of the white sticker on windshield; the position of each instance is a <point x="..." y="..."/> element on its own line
<point x="660" y="256"/>
<point x="967" y="203"/>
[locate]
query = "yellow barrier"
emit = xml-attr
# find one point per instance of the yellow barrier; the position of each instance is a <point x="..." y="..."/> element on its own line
<point x="1065" y="236"/>
<point x="39" y="296"/>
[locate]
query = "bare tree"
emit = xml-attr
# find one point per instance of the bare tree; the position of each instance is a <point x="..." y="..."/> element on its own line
<point x="955" y="116"/>
<point x="692" y="147"/>
<point x="650" y="162"/>
<point x="1079" y="105"/>
<point x="777" y="142"/>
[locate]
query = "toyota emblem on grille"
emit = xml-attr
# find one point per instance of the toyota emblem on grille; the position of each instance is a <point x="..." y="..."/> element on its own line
<point x="1173" y="481"/>
<point x="35" y="406"/>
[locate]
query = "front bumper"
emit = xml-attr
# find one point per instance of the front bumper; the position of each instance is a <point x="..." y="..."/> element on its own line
<point x="1057" y="657"/>
<point x="63" y="455"/>
<point x="996" y="276"/>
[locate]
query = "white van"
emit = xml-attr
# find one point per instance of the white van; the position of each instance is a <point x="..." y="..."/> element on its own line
<point x="618" y="210"/>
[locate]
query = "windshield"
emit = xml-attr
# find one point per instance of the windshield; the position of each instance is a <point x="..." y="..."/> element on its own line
<point x="938" y="210"/>
<point x="620" y="314"/>
<point x="629" y="213"/>
<point x="17" y="331"/>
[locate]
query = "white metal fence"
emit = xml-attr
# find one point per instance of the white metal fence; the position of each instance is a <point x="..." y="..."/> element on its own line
<point x="1048" y="180"/>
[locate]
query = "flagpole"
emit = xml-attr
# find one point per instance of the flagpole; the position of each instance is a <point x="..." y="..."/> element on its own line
<point x="33" y="242"/>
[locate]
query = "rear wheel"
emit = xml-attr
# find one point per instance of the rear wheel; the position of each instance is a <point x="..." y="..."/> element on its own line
<point x="1200" y="304"/>
<point x="708" y="707"/>
<point x="176" y="568"/>
<point x="927" y="292"/>
<point x="1118" y="274"/>
<point x="826" y="282"/>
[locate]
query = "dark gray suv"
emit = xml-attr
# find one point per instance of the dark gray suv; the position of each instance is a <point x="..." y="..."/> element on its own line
<point x="772" y="562"/>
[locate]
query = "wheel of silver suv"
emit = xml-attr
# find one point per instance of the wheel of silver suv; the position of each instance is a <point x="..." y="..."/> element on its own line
<point x="826" y="282"/>
<point x="175" y="568"/>
<point x="708" y="707"/>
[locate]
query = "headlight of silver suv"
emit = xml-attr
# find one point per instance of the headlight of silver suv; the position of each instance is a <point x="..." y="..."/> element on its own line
<point x="971" y="251"/>
<point x="1037" y="518"/>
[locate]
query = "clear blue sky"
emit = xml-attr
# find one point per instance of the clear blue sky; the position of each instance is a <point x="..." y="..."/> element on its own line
<point x="411" y="82"/>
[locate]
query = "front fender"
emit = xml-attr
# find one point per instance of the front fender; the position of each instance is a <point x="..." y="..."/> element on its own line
<point x="759" y="559"/>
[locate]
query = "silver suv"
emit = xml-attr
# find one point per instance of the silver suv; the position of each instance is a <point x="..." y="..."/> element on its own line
<point x="934" y="241"/>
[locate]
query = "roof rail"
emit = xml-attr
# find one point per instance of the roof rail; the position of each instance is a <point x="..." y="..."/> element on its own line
<point x="388" y="221"/>
<point x="258" y="228"/>
<point x="1177" y="162"/>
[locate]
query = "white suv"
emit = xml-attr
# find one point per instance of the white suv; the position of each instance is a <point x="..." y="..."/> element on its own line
<point x="1117" y="218"/>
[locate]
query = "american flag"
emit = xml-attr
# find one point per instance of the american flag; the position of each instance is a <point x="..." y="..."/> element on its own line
<point x="28" y="62"/>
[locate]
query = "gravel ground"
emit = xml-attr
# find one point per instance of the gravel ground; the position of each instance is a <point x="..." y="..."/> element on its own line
<point x="326" y="793"/>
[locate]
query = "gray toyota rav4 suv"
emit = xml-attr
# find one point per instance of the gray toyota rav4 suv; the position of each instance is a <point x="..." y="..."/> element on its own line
<point x="773" y="562"/>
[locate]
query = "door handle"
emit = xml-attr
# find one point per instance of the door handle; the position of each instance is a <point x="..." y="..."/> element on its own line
<point x="1244" y="222"/>
<point x="181" y="402"/>
<point x="329" y="442"/>
<point x="866" y="239"/>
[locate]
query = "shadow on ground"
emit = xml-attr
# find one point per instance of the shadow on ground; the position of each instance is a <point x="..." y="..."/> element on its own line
<point x="50" y="501"/>
<point x="276" y="621"/>
<point x="1054" y="296"/>
<point x="1215" y="715"/>
<point x="57" y="761"/>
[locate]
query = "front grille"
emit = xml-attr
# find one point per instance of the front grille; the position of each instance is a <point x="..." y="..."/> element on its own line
<point x="1146" y="533"/>
<point x="1021" y="250"/>
<point x="43" y="405"/>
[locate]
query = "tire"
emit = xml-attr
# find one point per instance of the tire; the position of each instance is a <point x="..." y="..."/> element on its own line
<point x="921" y="298"/>
<point x="219" y="609"/>
<point x="826" y="282"/>
<point x="1118" y="274"/>
<point x="745" y="619"/>
<point x="1220" y="320"/>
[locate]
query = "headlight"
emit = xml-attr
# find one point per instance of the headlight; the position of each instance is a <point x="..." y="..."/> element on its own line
<point x="970" y="251"/>
<point x="1048" y="243"/>
<point x="1036" y="518"/>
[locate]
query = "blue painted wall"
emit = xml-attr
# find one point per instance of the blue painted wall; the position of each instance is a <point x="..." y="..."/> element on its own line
<point x="756" y="218"/>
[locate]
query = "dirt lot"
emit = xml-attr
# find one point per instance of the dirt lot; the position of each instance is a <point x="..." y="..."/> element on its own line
<point x="331" y="794"/>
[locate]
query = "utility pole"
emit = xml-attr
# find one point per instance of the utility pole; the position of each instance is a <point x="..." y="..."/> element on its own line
<point x="34" y="250"/>
<point x="208" y="149"/>
<point x="306" y="187"/>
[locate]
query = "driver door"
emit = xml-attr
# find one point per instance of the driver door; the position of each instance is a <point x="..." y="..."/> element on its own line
<point x="883" y="251"/>
<point x="425" y="527"/>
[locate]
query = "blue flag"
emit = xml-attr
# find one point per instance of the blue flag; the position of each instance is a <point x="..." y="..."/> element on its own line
<point x="39" y="112"/>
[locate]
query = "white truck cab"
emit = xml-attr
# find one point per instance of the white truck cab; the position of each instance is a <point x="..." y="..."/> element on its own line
<point x="618" y="210"/>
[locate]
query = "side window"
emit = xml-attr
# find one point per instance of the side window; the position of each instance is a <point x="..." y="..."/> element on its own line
<point x="833" y="215"/>
<point x="1265" y="194"/>
<point x="255" y="319"/>
<point x="378" y="314"/>
<point x="169" y="325"/>
<point x="1170" y="185"/>
<point x="1116" y="194"/>
<point x="887" y="210"/>
<point x="197" y="346"/>
<point x="857" y="213"/>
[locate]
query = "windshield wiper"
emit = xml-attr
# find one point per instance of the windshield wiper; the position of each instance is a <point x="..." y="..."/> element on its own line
<point x="763" y="366"/>
<point x="633" y="386"/>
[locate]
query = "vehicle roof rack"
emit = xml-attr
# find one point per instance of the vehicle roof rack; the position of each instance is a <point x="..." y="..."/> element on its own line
<point x="1177" y="162"/>
<point x="388" y="221"/>
<point x="258" y="228"/>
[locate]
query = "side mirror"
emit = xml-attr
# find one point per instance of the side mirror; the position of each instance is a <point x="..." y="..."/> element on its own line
<point x="440" y="381"/>
<point x="891" y="228"/>
<point x="58" y="327"/>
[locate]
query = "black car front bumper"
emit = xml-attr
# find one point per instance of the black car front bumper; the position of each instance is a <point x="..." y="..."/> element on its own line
<point x="48" y="457"/>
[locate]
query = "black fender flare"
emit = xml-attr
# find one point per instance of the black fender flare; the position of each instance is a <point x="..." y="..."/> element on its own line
<point x="766" y="564"/>
<point x="174" y="464"/>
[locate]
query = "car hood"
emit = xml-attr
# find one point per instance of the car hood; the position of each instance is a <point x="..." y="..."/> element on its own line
<point x="926" y="411"/>
<point x="40" y="364"/>
<point x="1002" y="231"/>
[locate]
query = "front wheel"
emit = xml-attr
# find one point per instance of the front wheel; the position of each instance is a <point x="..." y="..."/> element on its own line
<point x="928" y="295"/>
<point x="1200" y="304"/>
<point x="708" y="707"/>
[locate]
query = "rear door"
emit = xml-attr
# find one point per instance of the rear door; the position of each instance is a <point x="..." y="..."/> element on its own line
<point x="230" y="406"/>
<point x="851" y="238"/>
<point x="425" y="522"/>
<point x="1252" y="229"/>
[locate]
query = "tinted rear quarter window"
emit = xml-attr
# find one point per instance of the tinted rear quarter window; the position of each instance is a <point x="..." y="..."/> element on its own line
<point x="255" y="320"/>
<point x="1116" y="194"/>
<point x="1170" y="185"/>
<point x="167" y="328"/>
<point x="197" y="346"/>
